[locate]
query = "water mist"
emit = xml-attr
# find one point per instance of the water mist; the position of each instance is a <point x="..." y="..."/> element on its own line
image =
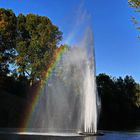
<point x="68" y="102"/>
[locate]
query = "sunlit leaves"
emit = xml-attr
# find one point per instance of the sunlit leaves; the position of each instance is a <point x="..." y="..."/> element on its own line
<point x="28" y="41"/>
<point x="134" y="3"/>
<point x="36" y="43"/>
<point x="7" y="39"/>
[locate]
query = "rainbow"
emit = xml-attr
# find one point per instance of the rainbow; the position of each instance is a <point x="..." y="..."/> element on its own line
<point x="29" y="112"/>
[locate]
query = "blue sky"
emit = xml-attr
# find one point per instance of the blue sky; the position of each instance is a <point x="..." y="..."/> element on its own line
<point x="116" y="45"/>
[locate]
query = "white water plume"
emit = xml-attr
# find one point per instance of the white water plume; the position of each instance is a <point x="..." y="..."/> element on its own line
<point x="70" y="100"/>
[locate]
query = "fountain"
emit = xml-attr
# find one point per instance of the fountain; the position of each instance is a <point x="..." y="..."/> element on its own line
<point x="68" y="102"/>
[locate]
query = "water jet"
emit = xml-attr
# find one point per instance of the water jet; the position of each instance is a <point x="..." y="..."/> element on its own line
<point x="69" y="100"/>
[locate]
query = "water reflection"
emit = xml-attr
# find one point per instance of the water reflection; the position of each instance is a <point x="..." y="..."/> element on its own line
<point x="107" y="136"/>
<point x="30" y="137"/>
<point x="89" y="138"/>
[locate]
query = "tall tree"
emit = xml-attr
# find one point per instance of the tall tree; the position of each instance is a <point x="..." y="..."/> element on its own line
<point x="7" y="39"/>
<point x="37" y="41"/>
<point x="30" y="41"/>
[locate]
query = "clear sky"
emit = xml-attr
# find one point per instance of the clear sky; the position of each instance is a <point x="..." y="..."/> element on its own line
<point x="116" y="45"/>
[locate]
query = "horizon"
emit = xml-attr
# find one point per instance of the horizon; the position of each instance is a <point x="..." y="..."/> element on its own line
<point x="116" y="44"/>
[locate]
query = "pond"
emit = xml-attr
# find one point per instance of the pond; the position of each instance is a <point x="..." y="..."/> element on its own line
<point x="108" y="135"/>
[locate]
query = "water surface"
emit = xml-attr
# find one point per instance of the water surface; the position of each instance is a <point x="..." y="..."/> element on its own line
<point x="107" y="136"/>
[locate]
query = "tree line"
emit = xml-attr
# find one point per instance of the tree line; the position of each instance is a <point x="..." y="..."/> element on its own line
<point x="120" y="101"/>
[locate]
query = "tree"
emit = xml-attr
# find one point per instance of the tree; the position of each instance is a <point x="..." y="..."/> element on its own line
<point x="7" y="39"/>
<point x="37" y="42"/>
<point x="120" y="99"/>
<point x="28" y="45"/>
<point x="7" y="43"/>
<point x="105" y="85"/>
<point x="137" y="96"/>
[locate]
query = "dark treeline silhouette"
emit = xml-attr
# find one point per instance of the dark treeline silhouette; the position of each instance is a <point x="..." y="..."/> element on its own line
<point x="27" y="47"/>
<point x="120" y="102"/>
<point x="119" y="97"/>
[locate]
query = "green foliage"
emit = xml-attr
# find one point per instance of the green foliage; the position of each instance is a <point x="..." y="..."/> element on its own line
<point x="27" y="47"/>
<point x="134" y="3"/>
<point x="36" y="43"/>
<point x="124" y="91"/>
<point x="29" y="42"/>
<point x="7" y="39"/>
<point x="120" y="98"/>
<point x="137" y="96"/>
